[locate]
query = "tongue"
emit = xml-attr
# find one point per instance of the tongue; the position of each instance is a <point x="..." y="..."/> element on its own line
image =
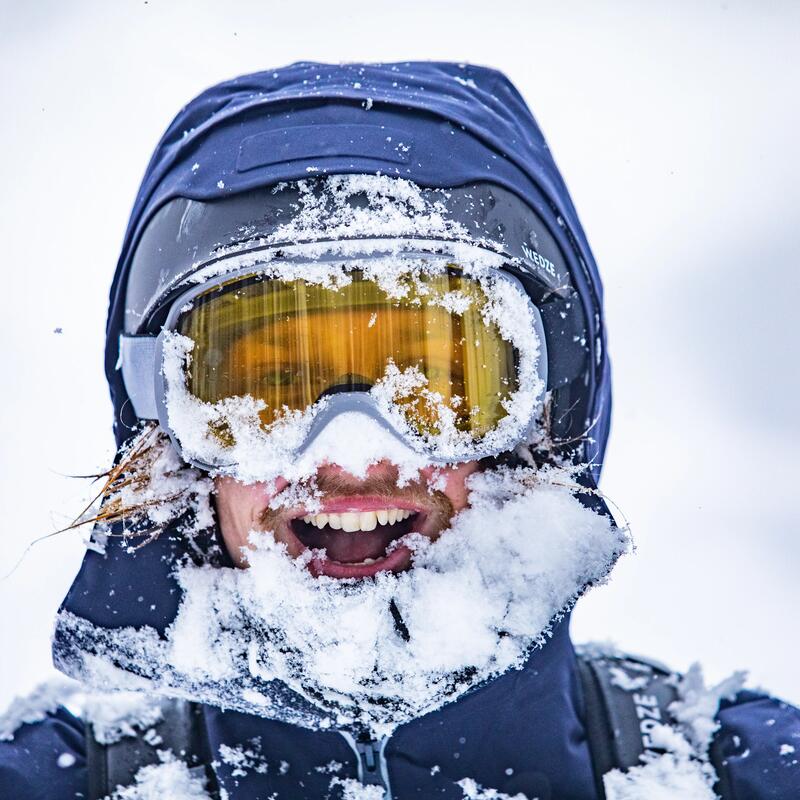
<point x="348" y="548"/>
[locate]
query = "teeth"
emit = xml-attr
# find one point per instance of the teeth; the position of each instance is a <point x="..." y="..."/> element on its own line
<point x="368" y="520"/>
<point x="351" y="521"/>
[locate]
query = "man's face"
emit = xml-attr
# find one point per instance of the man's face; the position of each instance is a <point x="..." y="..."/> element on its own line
<point x="356" y="531"/>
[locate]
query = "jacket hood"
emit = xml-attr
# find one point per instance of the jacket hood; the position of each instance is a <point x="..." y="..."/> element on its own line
<point x="436" y="124"/>
<point x="459" y="125"/>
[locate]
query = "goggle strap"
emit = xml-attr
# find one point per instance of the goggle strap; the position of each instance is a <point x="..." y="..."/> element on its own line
<point x="137" y="359"/>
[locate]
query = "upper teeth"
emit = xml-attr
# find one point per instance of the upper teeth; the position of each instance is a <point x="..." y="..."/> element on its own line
<point x="351" y="521"/>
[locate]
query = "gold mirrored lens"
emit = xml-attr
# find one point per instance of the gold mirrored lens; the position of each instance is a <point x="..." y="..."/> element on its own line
<point x="290" y="342"/>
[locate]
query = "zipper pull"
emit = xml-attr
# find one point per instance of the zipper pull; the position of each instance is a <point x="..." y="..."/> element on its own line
<point x="369" y="752"/>
<point x="372" y="769"/>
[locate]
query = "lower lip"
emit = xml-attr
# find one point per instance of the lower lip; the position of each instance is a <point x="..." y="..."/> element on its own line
<point x="396" y="561"/>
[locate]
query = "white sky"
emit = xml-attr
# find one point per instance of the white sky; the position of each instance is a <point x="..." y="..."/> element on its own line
<point x="676" y="127"/>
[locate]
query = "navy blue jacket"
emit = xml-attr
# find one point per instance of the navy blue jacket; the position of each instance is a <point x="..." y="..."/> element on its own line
<point x="522" y="732"/>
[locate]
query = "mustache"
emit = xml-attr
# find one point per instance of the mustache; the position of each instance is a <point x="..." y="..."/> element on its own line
<point x="330" y="486"/>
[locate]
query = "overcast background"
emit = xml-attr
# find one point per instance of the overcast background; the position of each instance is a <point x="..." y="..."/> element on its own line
<point x="676" y="125"/>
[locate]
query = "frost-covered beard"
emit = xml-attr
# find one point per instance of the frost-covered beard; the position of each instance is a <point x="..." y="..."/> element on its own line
<point x="380" y="652"/>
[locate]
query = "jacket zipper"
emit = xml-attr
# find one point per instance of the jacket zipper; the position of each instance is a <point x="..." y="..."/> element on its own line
<point x="372" y="769"/>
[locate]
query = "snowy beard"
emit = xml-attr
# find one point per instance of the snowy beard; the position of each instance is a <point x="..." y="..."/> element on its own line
<point x="379" y="652"/>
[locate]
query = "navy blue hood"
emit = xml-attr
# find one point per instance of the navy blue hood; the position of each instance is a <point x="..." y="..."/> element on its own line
<point x="452" y="125"/>
<point x="460" y="125"/>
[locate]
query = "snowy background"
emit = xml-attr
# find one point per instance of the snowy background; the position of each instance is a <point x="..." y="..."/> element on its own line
<point x="676" y="127"/>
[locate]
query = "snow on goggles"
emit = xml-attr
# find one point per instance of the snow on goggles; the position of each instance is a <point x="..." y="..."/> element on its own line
<point x="451" y="363"/>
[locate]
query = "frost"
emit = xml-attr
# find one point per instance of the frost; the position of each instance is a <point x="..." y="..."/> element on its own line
<point x="474" y="791"/>
<point x="511" y="563"/>
<point x="169" y="779"/>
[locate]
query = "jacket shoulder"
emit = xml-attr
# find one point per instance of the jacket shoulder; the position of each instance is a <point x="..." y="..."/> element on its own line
<point x="757" y="748"/>
<point x="45" y="760"/>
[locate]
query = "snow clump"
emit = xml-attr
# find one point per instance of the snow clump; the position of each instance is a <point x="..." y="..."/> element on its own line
<point x="169" y="779"/>
<point x="511" y="563"/>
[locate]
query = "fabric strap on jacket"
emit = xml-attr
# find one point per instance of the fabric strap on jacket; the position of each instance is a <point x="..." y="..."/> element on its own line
<point x="625" y="697"/>
<point x="181" y="730"/>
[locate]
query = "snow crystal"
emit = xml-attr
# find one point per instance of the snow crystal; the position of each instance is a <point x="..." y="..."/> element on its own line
<point x="665" y="737"/>
<point x="330" y="768"/>
<point x="65" y="760"/>
<point x="244" y="758"/>
<point x="169" y="779"/>
<point x="396" y="214"/>
<point x="510" y="564"/>
<point x="474" y="791"/>
<point x="697" y="704"/>
<point x="786" y="750"/>
<point x="621" y="679"/>
<point x="119" y="714"/>
<point x="354" y="790"/>
<point x="153" y="487"/>
<point x="36" y="705"/>
<point x="665" y="777"/>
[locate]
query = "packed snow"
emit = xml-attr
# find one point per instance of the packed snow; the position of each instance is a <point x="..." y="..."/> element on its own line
<point x="169" y="779"/>
<point x="511" y="563"/>
<point x="666" y="777"/>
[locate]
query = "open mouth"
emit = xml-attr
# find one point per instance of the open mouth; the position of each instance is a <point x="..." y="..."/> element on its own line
<point x="358" y="542"/>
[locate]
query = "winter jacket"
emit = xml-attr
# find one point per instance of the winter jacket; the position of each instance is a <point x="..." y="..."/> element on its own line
<point x="521" y="732"/>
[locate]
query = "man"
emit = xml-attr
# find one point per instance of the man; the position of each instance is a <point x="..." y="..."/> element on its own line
<point x="361" y="390"/>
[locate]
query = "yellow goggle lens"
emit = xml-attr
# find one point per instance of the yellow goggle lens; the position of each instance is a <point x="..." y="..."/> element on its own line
<point x="288" y="342"/>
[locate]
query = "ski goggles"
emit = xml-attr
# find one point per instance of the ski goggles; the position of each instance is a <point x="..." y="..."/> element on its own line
<point x="450" y="362"/>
